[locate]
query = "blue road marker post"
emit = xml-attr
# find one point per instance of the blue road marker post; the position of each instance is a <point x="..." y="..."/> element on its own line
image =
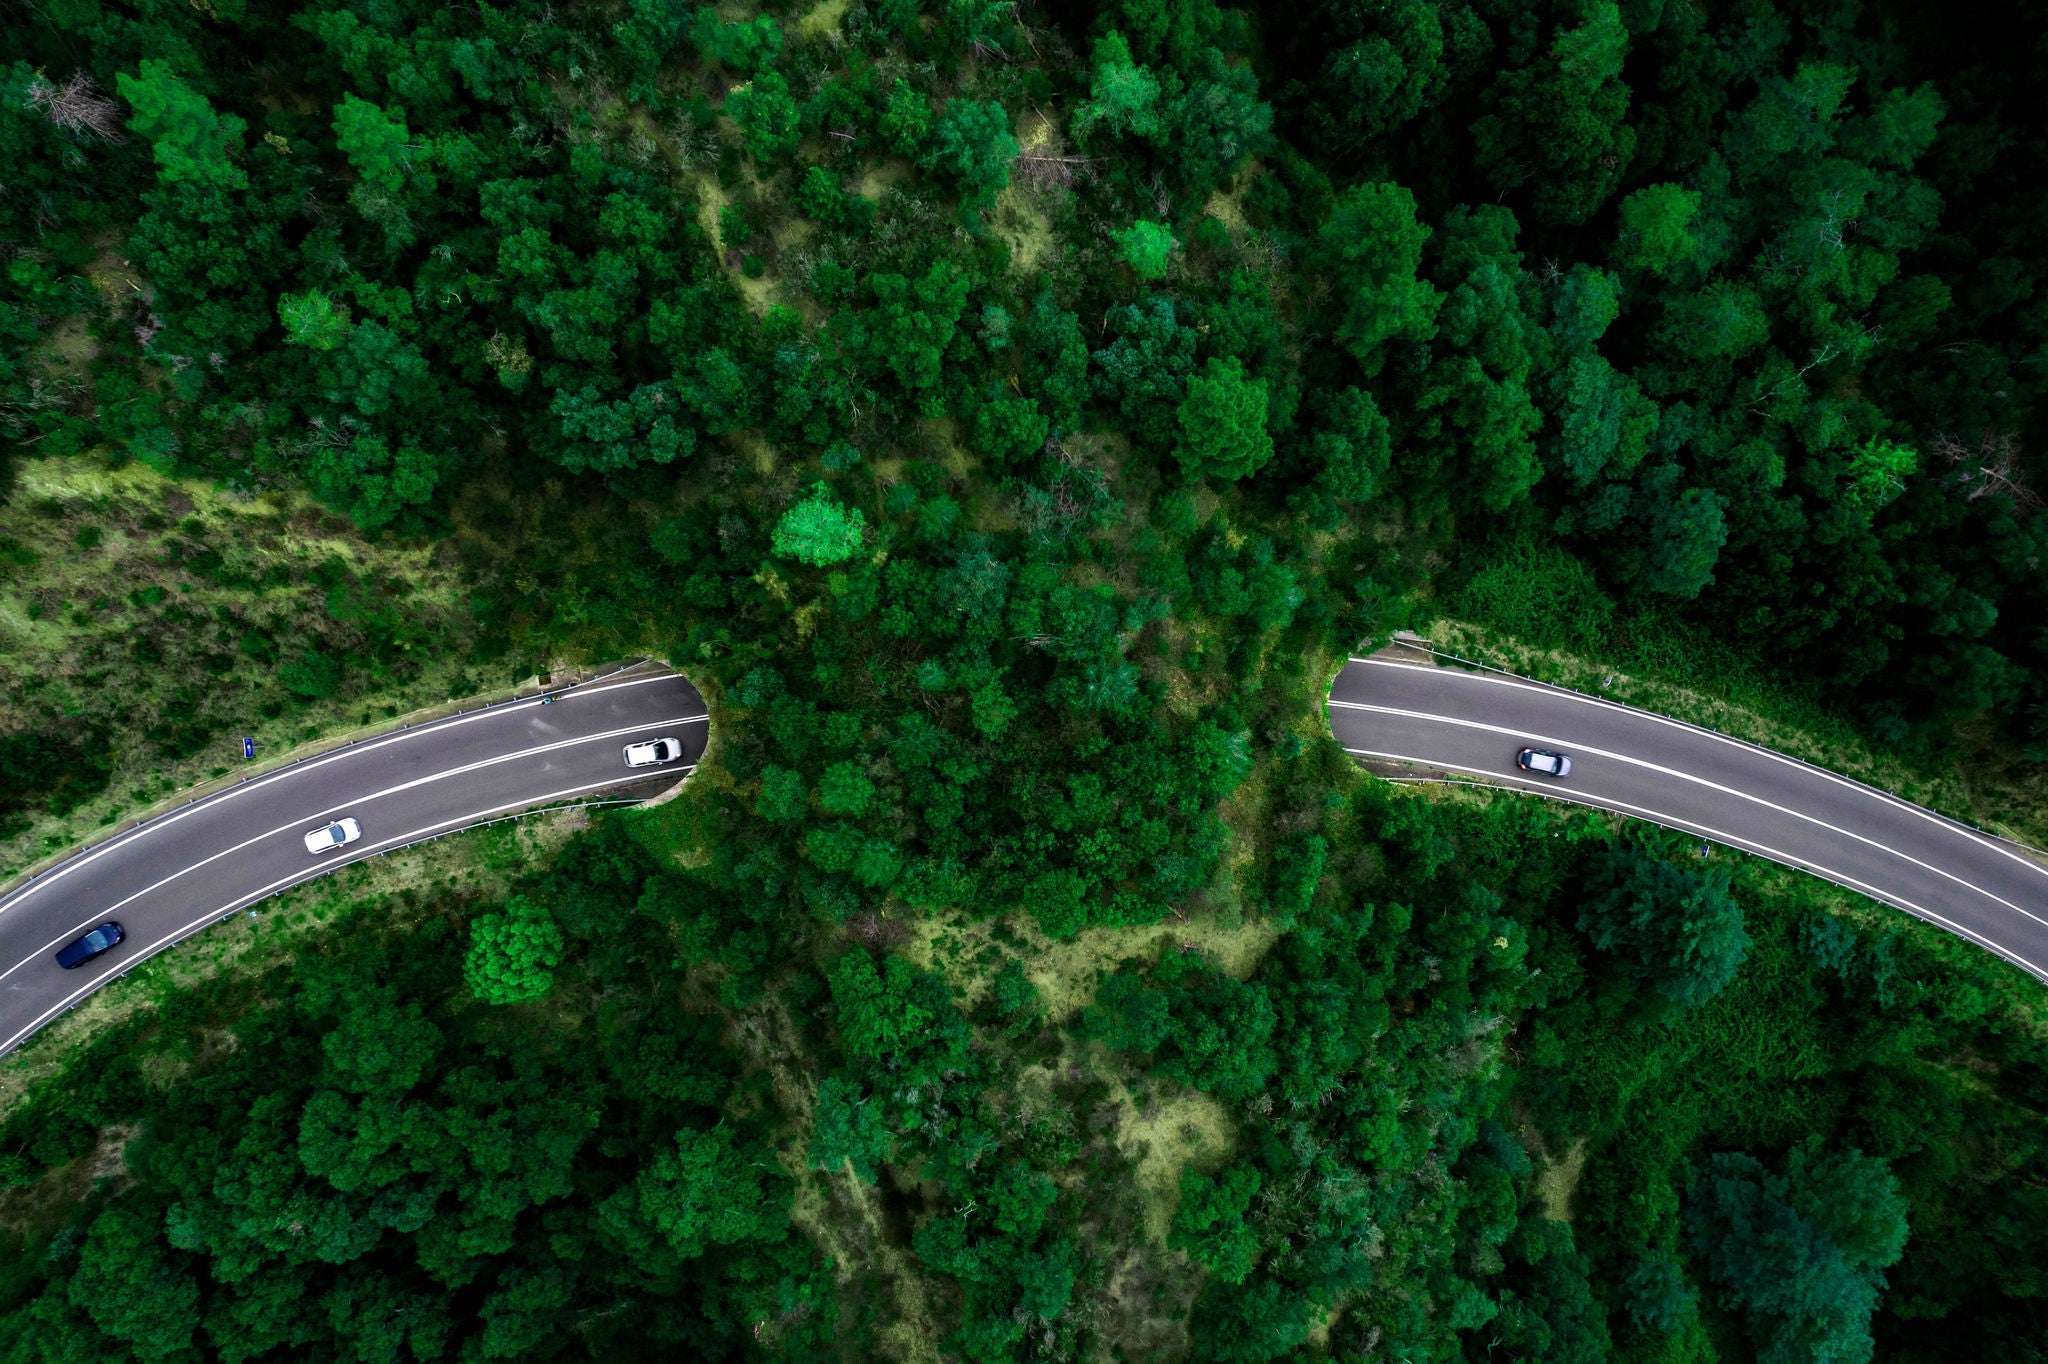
<point x="248" y="748"/>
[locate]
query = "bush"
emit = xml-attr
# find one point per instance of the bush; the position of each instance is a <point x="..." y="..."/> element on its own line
<point x="1539" y="594"/>
<point x="314" y="675"/>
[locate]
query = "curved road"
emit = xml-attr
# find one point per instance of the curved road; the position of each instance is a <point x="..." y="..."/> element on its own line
<point x="1985" y="889"/>
<point x="181" y="871"/>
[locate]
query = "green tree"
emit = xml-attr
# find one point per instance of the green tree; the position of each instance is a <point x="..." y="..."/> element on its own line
<point x="1010" y="430"/>
<point x="1605" y="423"/>
<point x="133" y="1290"/>
<point x="1371" y="86"/>
<point x="607" y="435"/>
<point x="192" y="143"/>
<point x="1683" y="530"/>
<point x="374" y="141"/>
<point x="1124" y="97"/>
<point x="1801" y="1254"/>
<point x="744" y="45"/>
<point x="313" y="320"/>
<point x="914" y="322"/>
<point x="768" y="116"/>
<point x="1656" y="1295"/>
<point x="372" y="482"/>
<point x="1217" y="124"/>
<point x="1145" y="247"/>
<point x="1260" y="1320"/>
<point x="906" y="123"/>
<point x="973" y="145"/>
<point x="846" y="789"/>
<point x="1723" y="321"/>
<point x="895" y="1016"/>
<point x="783" y="798"/>
<point x="819" y="531"/>
<point x="1683" y="929"/>
<point x="704" y="1191"/>
<point x="1352" y="453"/>
<point x="847" y="1130"/>
<point x="1559" y="125"/>
<point x="1145" y="368"/>
<point x="512" y="955"/>
<point x="1209" y="1223"/>
<point x="1877" y="472"/>
<point x="1222" y="420"/>
<point x="1373" y="241"/>
<point x="1587" y="302"/>
<point x="1657" y="228"/>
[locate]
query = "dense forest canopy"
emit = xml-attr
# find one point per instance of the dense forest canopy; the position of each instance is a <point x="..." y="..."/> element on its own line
<point x="1010" y="415"/>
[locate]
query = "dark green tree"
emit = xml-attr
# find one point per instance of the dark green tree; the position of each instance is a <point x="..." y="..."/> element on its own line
<point x="1800" y="1254"/>
<point x="1683" y="929"/>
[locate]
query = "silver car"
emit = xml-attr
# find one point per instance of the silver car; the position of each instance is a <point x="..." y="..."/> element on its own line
<point x="328" y="837"/>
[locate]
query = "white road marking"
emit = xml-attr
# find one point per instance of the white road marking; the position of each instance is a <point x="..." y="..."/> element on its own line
<point x="299" y="822"/>
<point x="1732" y="840"/>
<point x="320" y="869"/>
<point x="1698" y="781"/>
<point x="2018" y="852"/>
<point x="220" y="798"/>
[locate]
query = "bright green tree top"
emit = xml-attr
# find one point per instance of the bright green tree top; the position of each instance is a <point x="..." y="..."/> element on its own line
<point x="191" y="141"/>
<point x="1145" y="247"/>
<point x="313" y="319"/>
<point x="373" y="140"/>
<point x="818" y="531"/>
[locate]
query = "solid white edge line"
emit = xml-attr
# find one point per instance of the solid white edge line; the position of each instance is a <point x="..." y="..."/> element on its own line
<point x="161" y="882"/>
<point x="1732" y="840"/>
<point x="221" y="797"/>
<point x="2012" y="848"/>
<point x="1695" y="780"/>
<point x="322" y="869"/>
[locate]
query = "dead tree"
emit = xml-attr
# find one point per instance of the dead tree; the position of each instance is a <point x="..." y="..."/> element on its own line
<point x="1996" y="461"/>
<point x="76" y="106"/>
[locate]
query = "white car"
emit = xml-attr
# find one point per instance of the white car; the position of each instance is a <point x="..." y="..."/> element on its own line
<point x="328" y="837"/>
<point x="653" y="753"/>
<point x="1544" y="761"/>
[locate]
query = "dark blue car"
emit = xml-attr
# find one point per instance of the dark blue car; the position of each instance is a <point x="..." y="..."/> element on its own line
<point x="91" y="945"/>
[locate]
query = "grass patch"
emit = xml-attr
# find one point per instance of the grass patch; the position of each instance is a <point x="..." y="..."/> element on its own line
<point x="146" y="623"/>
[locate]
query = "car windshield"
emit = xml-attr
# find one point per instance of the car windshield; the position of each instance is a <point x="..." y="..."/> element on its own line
<point x="336" y="832"/>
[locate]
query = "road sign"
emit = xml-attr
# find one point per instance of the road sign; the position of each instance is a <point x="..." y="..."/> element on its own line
<point x="248" y="748"/>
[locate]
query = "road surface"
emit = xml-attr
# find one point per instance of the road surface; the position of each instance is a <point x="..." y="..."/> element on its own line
<point x="183" y="870"/>
<point x="1985" y="889"/>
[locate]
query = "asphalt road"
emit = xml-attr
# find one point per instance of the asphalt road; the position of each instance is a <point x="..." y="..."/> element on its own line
<point x="1985" y="889"/>
<point x="181" y="871"/>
